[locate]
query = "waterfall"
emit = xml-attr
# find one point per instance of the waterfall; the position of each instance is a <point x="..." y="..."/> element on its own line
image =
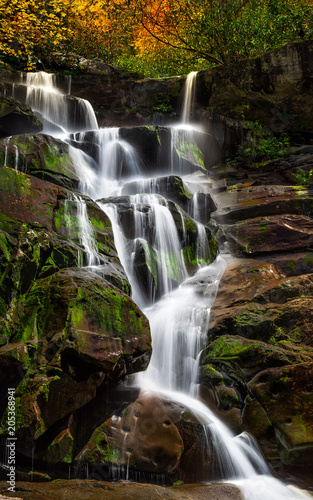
<point x="58" y="112"/>
<point x="189" y="97"/>
<point x="179" y="323"/>
<point x="179" y="316"/>
<point x="155" y="236"/>
<point x="114" y="158"/>
<point x="84" y="233"/>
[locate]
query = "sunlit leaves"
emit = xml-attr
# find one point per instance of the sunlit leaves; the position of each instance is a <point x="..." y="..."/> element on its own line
<point x="29" y="28"/>
<point x="152" y="36"/>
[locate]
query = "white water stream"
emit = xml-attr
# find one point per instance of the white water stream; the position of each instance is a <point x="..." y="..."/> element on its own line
<point x="179" y="321"/>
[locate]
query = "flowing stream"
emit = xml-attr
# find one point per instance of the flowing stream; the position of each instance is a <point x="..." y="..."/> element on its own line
<point x="179" y="315"/>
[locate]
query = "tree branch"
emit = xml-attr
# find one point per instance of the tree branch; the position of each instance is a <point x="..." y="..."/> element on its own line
<point x="206" y="56"/>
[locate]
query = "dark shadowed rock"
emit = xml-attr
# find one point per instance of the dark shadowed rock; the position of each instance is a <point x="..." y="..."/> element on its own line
<point x="16" y="118"/>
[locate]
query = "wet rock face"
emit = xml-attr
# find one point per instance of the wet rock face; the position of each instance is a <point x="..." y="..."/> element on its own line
<point x="152" y="434"/>
<point x="98" y="489"/>
<point x="16" y="118"/>
<point x="68" y="336"/>
<point x="256" y="369"/>
<point x="41" y="156"/>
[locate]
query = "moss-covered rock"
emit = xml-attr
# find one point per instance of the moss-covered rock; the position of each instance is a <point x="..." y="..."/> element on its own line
<point x="273" y="234"/>
<point x="76" y="331"/>
<point x="286" y="395"/>
<point x="66" y="331"/>
<point x="42" y="156"/>
<point x="261" y="328"/>
<point x="245" y="357"/>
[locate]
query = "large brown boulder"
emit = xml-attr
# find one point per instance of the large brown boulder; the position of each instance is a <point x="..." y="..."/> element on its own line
<point x="153" y="434"/>
<point x="285" y="393"/>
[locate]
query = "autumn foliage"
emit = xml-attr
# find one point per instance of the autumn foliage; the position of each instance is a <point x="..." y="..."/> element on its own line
<point x="31" y="28"/>
<point x="154" y="37"/>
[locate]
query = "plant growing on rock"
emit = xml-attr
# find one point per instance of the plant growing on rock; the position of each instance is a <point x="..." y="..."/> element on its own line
<point x="304" y="178"/>
<point x="261" y="145"/>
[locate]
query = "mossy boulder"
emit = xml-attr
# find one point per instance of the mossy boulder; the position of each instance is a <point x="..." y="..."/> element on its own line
<point x="41" y="234"/>
<point x="258" y="302"/>
<point x="42" y="156"/>
<point x="245" y="357"/>
<point x="98" y="320"/>
<point x="76" y="332"/>
<point x="286" y="395"/>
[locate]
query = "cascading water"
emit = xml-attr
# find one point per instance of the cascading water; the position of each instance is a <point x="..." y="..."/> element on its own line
<point x="58" y="112"/>
<point x="85" y="233"/>
<point x="114" y="158"/>
<point x="155" y="235"/>
<point x="179" y="320"/>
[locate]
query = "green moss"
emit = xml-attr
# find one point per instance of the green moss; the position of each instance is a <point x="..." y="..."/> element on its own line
<point x="55" y="160"/>
<point x="291" y="265"/>
<point x="213" y="246"/>
<point x="15" y="184"/>
<point x="213" y="376"/>
<point x="110" y="455"/>
<point x="309" y="260"/>
<point x="4" y="248"/>
<point x="263" y="226"/>
<point x="175" y="90"/>
<point x="99" y="224"/>
<point x="190" y="151"/>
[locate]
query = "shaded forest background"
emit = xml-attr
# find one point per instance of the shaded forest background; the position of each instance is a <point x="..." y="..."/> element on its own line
<point x="151" y="37"/>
